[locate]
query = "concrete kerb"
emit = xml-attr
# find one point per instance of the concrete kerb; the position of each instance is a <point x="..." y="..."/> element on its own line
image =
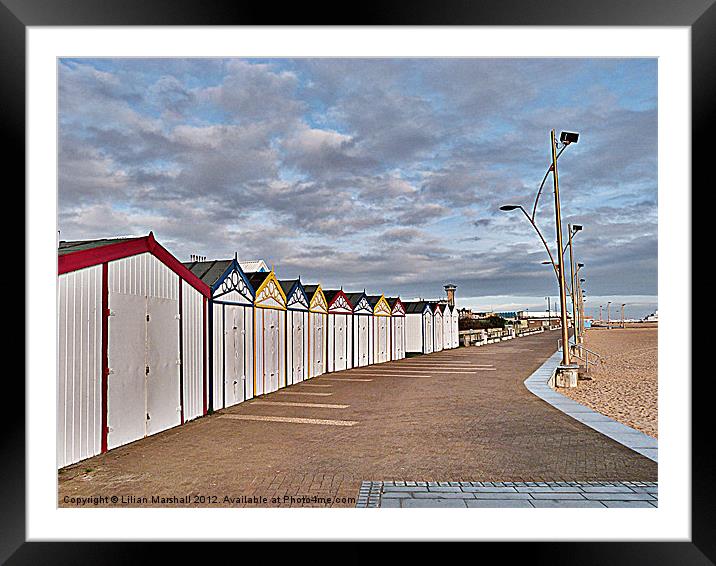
<point x="541" y="384"/>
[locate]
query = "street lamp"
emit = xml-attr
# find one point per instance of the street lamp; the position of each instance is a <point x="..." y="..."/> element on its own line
<point x="566" y="374"/>
<point x="572" y="230"/>
<point x="609" y="303"/>
<point x="510" y="207"/>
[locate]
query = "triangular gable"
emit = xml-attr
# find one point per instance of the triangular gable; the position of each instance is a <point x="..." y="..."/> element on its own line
<point x="233" y="286"/>
<point x="398" y="308"/>
<point x="296" y="298"/>
<point x="270" y="295"/>
<point x="119" y="248"/>
<point x="382" y="308"/>
<point x="340" y="304"/>
<point x="362" y="306"/>
<point x="438" y="311"/>
<point x="318" y="302"/>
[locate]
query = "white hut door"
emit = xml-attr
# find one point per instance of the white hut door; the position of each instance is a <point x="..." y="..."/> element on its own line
<point x="126" y="384"/>
<point x="438" y="334"/>
<point x="340" y="342"/>
<point x="428" y="333"/>
<point x="399" y="336"/>
<point x="318" y="345"/>
<point x="234" y="355"/>
<point x="298" y="331"/>
<point x="382" y="339"/>
<point x="271" y="354"/>
<point x="163" y="405"/>
<point x="363" y="341"/>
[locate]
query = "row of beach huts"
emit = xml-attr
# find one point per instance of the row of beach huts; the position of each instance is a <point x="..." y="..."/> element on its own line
<point x="146" y="342"/>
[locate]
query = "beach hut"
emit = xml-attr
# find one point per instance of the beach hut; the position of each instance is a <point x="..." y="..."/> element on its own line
<point x="230" y="331"/>
<point x="438" y="327"/>
<point x="317" y="330"/>
<point x="418" y="327"/>
<point x="131" y="344"/>
<point x="340" y="319"/>
<point x="381" y="328"/>
<point x="455" y="326"/>
<point x="447" y="327"/>
<point x="397" y="328"/>
<point x="269" y="333"/>
<point x="297" y="341"/>
<point x="361" y="329"/>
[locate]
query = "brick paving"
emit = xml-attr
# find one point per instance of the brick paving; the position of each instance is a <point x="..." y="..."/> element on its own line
<point x="531" y="495"/>
<point x="450" y="427"/>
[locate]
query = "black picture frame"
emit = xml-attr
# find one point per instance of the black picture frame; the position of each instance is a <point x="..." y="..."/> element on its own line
<point x="699" y="15"/>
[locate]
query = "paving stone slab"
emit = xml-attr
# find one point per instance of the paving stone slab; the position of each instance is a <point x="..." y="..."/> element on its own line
<point x="502" y="495"/>
<point x="438" y="503"/>
<point x="499" y="503"/>
<point x="639" y="489"/>
<point x="557" y="495"/>
<point x="459" y="495"/>
<point x="608" y="489"/>
<point x="505" y="489"/>
<point x="620" y="496"/>
<point x="629" y="504"/>
<point x="548" y="489"/>
<point x="565" y="503"/>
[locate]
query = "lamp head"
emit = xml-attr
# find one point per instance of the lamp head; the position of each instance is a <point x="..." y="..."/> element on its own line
<point x="569" y="137"/>
<point x="508" y="207"/>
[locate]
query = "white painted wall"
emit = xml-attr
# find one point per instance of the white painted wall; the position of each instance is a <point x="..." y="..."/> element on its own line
<point x="192" y="351"/>
<point x="79" y="365"/>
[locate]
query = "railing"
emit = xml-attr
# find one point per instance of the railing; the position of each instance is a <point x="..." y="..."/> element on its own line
<point x="585" y="355"/>
<point x="481" y="336"/>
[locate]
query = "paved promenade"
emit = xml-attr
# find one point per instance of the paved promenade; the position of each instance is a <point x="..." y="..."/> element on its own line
<point x="455" y="416"/>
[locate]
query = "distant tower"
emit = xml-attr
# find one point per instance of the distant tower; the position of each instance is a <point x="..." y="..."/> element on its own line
<point x="450" y="290"/>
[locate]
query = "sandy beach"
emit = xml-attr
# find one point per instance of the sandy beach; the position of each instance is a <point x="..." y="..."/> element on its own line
<point x="625" y="386"/>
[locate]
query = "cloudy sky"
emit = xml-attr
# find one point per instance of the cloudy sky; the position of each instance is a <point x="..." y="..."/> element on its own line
<point x="384" y="174"/>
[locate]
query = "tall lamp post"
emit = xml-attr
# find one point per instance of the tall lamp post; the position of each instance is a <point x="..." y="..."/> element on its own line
<point x="609" y="315"/>
<point x="566" y="373"/>
<point x="581" y="299"/>
<point x="577" y="289"/>
<point x="572" y="230"/>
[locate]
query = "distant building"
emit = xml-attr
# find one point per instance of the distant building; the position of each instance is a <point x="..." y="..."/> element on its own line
<point x="254" y="266"/>
<point x="469" y="314"/>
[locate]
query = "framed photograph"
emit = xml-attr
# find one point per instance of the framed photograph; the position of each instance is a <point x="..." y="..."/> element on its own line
<point x="423" y="275"/>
